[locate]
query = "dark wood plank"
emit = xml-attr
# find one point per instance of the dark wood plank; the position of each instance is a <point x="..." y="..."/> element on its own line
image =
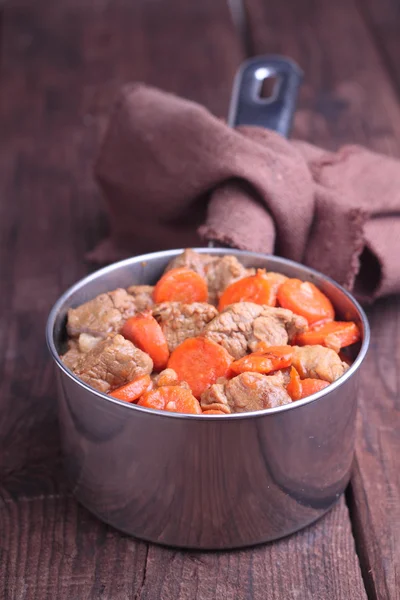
<point x="375" y="486"/>
<point x="382" y="17"/>
<point x="38" y="560"/>
<point x="348" y="97"/>
<point x="315" y="563"/>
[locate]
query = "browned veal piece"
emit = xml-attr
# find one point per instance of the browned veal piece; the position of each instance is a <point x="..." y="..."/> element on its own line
<point x="348" y="96"/>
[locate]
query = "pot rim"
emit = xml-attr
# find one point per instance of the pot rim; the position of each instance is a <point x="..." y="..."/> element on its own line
<point x="170" y="415"/>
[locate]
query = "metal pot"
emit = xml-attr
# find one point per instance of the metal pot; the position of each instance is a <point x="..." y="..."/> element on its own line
<point x="207" y="482"/>
<point x="210" y="482"/>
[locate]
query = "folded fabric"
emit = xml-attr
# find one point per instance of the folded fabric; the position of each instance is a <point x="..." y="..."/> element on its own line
<point x="176" y="176"/>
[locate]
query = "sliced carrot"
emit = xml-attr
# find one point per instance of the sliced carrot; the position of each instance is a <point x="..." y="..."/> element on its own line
<point x="181" y="285"/>
<point x="272" y="359"/>
<point x="144" y="331"/>
<point x="134" y="389"/>
<point x="255" y="288"/>
<point x="343" y="337"/>
<point x="311" y="386"/>
<point x="213" y="412"/>
<point x="334" y="334"/>
<point x="305" y="299"/>
<point x="199" y="362"/>
<point x="301" y="388"/>
<point x="294" y="386"/>
<point x="171" y="398"/>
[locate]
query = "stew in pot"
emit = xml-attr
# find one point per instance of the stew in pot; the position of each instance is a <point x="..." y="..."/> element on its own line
<point x="211" y="337"/>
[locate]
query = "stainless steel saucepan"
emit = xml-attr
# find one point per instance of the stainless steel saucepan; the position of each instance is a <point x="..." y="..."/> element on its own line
<point x="210" y="482"/>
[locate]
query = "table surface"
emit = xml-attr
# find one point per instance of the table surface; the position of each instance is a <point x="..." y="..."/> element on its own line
<point x="61" y="64"/>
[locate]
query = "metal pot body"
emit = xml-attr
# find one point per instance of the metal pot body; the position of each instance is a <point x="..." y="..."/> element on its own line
<point x="205" y="482"/>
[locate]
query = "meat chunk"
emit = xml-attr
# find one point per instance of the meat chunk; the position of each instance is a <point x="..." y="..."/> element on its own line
<point x="191" y="260"/>
<point x="283" y="376"/>
<point x="218" y="271"/>
<point x="103" y="315"/>
<point x="111" y="363"/>
<point x="234" y="327"/>
<point x="222" y="272"/>
<point x="214" y="398"/>
<point x="253" y="391"/>
<point x="73" y="354"/>
<point x="168" y="377"/>
<point x="180" y="321"/>
<point x="242" y="326"/>
<point x="76" y="348"/>
<point x="87" y="342"/>
<point x="318" y="362"/>
<point x="275" y="327"/>
<point x="244" y="393"/>
<point x="143" y="295"/>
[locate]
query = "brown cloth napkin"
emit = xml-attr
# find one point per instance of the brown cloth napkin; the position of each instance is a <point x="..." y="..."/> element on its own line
<point x="174" y="175"/>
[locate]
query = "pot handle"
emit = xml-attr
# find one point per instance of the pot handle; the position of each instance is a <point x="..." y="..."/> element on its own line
<point x="247" y="107"/>
<point x="276" y="112"/>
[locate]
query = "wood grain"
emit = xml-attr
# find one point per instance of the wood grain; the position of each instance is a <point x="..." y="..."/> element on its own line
<point x="375" y="485"/>
<point x="348" y="97"/>
<point x="382" y="20"/>
<point x="53" y="548"/>
<point x="317" y="563"/>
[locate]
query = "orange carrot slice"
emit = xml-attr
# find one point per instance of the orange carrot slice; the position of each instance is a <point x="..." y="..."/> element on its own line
<point x="294" y="386"/>
<point x="335" y="335"/>
<point x="199" y="362"/>
<point x="255" y="288"/>
<point x="301" y="388"/>
<point x="271" y="359"/>
<point x="172" y="399"/>
<point x="130" y="392"/>
<point x="305" y="299"/>
<point x="311" y="386"/>
<point x="144" y="331"/>
<point x="180" y="285"/>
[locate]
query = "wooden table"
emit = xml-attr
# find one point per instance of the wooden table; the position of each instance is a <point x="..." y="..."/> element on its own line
<point x="62" y="62"/>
